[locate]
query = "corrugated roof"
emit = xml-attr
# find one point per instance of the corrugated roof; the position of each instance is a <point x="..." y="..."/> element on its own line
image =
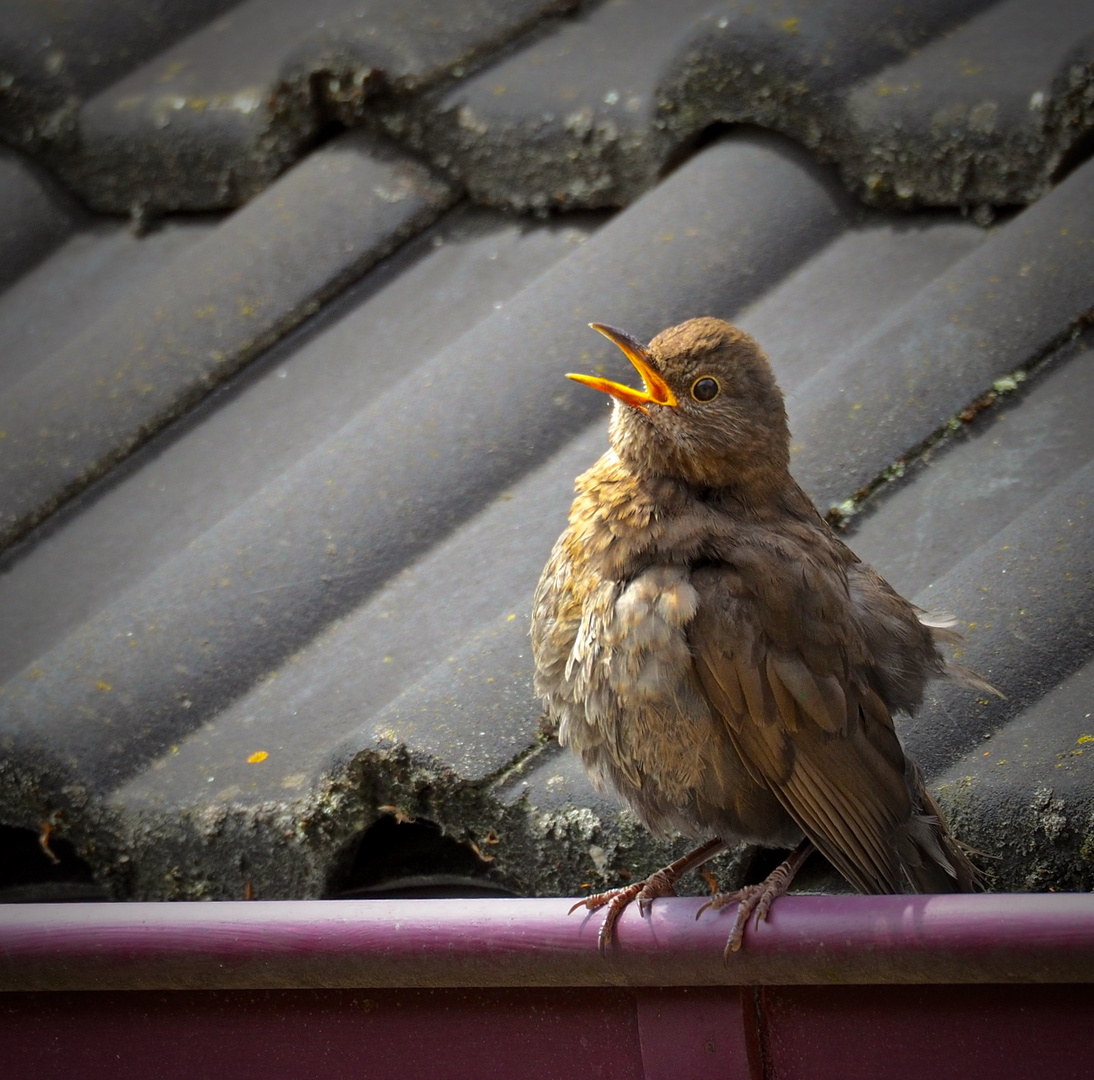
<point x="277" y="483"/>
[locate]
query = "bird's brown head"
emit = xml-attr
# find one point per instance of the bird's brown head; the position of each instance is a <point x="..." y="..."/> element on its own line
<point x="709" y="413"/>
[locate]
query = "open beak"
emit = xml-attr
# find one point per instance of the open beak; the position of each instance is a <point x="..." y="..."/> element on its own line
<point x="656" y="390"/>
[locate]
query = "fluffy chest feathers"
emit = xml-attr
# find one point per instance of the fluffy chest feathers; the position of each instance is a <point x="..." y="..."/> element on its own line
<point x="611" y="623"/>
<point x="609" y="633"/>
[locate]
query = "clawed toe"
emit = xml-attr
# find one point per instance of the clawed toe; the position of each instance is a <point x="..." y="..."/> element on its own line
<point x="720" y="899"/>
<point x="752" y="900"/>
<point x="757" y="899"/>
<point x="616" y="900"/>
<point x="748" y="899"/>
<point x="661" y="883"/>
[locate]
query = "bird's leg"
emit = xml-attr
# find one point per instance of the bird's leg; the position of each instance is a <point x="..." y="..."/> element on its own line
<point x="661" y="883"/>
<point x="758" y="898"/>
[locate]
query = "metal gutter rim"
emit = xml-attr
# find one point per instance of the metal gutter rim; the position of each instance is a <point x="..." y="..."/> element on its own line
<point x="807" y="940"/>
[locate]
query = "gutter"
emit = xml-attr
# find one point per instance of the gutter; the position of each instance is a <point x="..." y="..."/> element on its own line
<point x="829" y="986"/>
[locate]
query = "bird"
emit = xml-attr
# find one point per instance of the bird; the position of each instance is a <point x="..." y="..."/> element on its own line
<point x="718" y="657"/>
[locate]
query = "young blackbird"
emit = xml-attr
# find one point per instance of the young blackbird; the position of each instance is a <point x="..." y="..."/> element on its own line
<point x="719" y="657"/>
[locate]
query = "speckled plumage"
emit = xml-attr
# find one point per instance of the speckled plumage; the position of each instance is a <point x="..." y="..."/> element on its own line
<point x="715" y="653"/>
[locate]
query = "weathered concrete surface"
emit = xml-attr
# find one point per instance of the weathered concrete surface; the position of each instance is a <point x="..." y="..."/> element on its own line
<point x="538" y="104"/>
<point x="168" y="342"/>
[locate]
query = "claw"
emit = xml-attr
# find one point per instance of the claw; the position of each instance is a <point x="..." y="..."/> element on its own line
<point x="661" y="883"/>
<point x="645" y="892"/>
<point x="757" y="899"/>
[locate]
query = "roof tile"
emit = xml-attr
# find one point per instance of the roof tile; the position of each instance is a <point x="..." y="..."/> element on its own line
<point x="211" y="121"/>
<point x="34" y="217"/>
<point x="984" y="116"/>
<point x="54" y="56"/>
<point x="1002" y="308"/>
<point x="294" y="617"/>
<point x="913" y="113"/>
<point x="174" y="337"/>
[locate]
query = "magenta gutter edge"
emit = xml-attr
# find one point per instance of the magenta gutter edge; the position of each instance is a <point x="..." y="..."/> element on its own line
<point x="807" y="940"/>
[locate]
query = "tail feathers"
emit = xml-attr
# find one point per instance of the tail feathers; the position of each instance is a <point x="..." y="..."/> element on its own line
<point x="930" y="858"/>
<point x="963" y="676"/>
<point x="942" y="622"/>
<point x="933" y="861"/>
<point x="943" y="629"/>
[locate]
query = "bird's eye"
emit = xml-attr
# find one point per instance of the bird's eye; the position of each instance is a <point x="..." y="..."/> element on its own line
<point x="705" y="389"/>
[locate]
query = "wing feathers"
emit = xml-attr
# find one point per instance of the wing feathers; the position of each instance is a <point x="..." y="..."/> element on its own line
<point x="820" y="696"/>
<point x="827" y="751"/>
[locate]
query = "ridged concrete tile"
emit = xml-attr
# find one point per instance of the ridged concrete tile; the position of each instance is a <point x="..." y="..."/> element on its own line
<point x="1023" y="795"/>
<point x="211" y="121"/>
<point x="1005" y="306"/>
<point x="985" y="116"/>
<point x="439" y="285"/>
<point x="280" y="648"/>
<point x="938" y="103"/>
<point x="567" y="122"/>
<point x="993" y="467"/>
<point x="791" y="68"/>
<point x="35" y="216"/>
<point x="54" y="56"/>
<point x="1025" y="595"/>
<point x="98" y="267"/>
<point x="174" y="337"/>
<point x="851" y="288"/>
<point x="954" y="102"/>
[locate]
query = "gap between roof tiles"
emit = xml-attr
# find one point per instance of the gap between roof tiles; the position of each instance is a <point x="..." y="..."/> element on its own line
<point x="1008" y="388"/>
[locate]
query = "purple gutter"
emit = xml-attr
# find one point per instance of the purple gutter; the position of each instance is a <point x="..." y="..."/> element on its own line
<point x="531" y="943"/>
<point x="935" y="987"/>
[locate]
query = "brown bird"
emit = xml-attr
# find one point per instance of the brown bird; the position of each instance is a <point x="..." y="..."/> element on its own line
<point x="719" y="657"/>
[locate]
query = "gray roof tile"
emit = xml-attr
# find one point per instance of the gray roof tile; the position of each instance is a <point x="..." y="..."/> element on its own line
<point x="212" y="120"/>
<point x="168" y="341"/>
<point x="985" y="115"/>
<point x="1025" y="595"/>
<point x="309" y="385"/>
<point x="1002" y="308"/>
<point x="991" y="470"/>
<point x="915" y="114"/>
<point x="98" y="267"/>
<point x="937" y="103"/>
<point x="291" y="615"/>
<point x="34" y="217"/>
<point x="569" y="121"/>
<point x="1024" y="794"/>
<point x="54" y="56"/>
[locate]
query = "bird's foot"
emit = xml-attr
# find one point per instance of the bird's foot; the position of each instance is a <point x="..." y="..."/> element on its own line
<point x="662" y="883"/>
<point x="757" y="899"/>
<point x="750" y="899"/>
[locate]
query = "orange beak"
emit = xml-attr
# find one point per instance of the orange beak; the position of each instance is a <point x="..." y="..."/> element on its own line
<point x="656" y="390"/>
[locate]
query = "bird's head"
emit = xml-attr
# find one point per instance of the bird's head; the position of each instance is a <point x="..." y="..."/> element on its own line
<point x="710" y="411"/>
